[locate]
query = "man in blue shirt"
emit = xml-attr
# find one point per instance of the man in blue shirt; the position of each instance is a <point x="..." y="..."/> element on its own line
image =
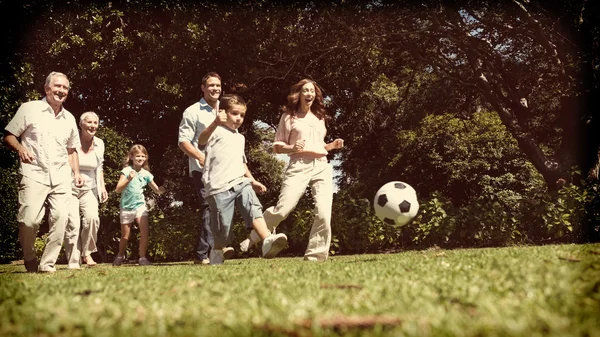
<point x="195" y="119"/>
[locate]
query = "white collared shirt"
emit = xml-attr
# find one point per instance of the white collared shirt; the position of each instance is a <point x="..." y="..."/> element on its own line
<point x="46" y="136"/>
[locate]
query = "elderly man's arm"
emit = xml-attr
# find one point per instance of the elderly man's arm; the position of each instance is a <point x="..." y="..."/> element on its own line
<point x="24" y="155"/>
<point x="74" y="163"/>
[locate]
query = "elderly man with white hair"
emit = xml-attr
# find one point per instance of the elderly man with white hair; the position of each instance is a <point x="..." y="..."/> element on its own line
<point x="83" y="210"/>
<point x="47" y="155"/>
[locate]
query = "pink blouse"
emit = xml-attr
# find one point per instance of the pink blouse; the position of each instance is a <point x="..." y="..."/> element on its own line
<point x="309" y="128"/>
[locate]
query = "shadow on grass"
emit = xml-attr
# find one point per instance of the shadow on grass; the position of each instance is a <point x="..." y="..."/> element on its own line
<point x="362" y="260"/>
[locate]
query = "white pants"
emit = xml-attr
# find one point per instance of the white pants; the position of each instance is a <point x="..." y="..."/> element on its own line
<point x="82" y="203"/>
<point x="300" y="173"/>
<point x="32" y="196"/>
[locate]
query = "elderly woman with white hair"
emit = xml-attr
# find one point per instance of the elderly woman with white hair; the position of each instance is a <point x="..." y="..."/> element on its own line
<point x="84" y="220"/>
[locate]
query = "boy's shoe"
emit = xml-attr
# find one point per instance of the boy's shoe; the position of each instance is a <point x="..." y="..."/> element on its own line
<point x="204" y="262"/>
<point x="31" y="266"/>
<point x="273" y="244"/>
<point x="144" y="262"/>
<point x="118" y="261"/>
<point x="228" y="252"/>
<point x="216" y="256"/>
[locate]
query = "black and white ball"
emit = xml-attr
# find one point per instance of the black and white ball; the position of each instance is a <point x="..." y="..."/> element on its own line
<point x="396" y="203"/>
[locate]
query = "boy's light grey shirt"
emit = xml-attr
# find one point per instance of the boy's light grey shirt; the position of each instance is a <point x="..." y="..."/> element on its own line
<point x="225" y="159"/>
<point x="196" y="118"/>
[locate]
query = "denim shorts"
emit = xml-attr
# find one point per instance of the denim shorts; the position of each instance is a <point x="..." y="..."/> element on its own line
<point x="222" y="207"/>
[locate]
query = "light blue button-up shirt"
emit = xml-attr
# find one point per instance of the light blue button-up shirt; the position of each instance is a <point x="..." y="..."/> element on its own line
<point x="196" y="118"/>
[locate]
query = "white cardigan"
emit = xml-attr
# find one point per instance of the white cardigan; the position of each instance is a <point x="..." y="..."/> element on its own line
<point x="99" y="151"/>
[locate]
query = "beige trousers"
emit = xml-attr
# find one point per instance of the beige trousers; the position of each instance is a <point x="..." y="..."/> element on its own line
<point x="32" y="198"/>
<point x="83" y="215"/>
<point x="300" y="173"/>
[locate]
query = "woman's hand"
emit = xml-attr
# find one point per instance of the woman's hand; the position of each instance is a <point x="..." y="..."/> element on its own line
<point x="299" y="145"/>
<point x="338" y="143"/>
<point x="103" y="195"/>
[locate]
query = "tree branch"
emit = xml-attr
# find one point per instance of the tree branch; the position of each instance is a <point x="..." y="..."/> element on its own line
<point x="544" y="41"/>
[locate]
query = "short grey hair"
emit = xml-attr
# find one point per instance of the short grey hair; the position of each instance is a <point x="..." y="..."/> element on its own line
<point x="54" y="74"/>
<point x="86" y="115"/>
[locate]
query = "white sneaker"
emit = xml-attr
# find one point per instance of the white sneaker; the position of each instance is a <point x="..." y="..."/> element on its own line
<point x="273" y="244"/>
<point x="216" y="256"/>
<point x="245" y="246"/>
<point x="252" y="240"/>
<point x="228" y="252"/>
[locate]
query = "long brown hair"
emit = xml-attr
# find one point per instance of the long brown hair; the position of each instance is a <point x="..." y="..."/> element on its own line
<point x="293" y="100"/>
<point x="133" y="150"/>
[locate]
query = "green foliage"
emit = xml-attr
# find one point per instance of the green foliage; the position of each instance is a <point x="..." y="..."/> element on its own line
<point x="569" y="215"/>
<point x="433" y="226"/>
<point x="9" y="208"/>
<point x="356" y="227"/>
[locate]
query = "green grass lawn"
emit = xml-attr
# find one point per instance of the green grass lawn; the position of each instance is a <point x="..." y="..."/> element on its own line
<point x="516" y="291"/>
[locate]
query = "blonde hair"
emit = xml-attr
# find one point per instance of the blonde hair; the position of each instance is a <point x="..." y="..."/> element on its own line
<point x="133" y="150"/>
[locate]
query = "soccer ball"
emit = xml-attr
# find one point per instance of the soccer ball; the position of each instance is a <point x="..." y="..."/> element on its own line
<point x="396" y="203"/>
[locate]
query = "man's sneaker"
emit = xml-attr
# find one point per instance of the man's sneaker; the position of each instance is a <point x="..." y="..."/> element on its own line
<point x="216" y="256"/>
<point x="205" y="261"/>
<point x="31" y="266"/>
<point x="228" y="253"/>
<point x="118" y="261"/>
<point x="144" y="262"/>
<point x="273" y="244"/>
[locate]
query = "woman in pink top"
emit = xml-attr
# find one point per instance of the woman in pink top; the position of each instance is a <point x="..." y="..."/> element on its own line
<point x="301" y="135"/>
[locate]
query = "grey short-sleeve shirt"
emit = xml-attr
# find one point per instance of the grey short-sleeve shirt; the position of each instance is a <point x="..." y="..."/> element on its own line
<point x="225" y="159"/>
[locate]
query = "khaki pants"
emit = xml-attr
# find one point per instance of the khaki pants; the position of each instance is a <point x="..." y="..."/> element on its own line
<point x="32" y="196"/>
<point x="302" y="172"/>
<point x="83" y="203"/>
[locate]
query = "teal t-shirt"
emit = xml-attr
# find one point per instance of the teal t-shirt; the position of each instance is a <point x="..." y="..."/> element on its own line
<point x="132" y="196"/>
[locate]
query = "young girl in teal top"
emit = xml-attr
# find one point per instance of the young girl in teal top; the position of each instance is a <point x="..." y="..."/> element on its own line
<point x="132" y="182"/>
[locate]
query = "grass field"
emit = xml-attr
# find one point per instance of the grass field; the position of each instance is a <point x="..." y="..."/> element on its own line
<point x="515" y="291"/>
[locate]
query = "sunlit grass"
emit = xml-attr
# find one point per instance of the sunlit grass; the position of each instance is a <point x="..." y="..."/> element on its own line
<point x="517" y="291"/>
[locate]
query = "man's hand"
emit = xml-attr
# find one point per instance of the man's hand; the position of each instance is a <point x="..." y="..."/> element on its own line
<point x="25" y="156"/>
<point x="201" y="158"/>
